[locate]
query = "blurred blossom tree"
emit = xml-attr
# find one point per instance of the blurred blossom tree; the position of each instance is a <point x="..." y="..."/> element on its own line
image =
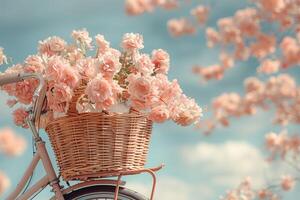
<point x="239" y="38"/>
<point x="10" y="145"/>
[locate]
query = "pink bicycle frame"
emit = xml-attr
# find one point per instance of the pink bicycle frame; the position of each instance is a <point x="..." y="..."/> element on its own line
<point x="41" y="154"/>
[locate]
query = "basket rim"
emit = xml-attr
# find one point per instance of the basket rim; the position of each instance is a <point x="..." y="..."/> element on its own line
<point x="107" y="115"/>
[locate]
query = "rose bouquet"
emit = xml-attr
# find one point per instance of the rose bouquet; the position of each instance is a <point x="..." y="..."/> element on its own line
<point x="115" y="82"/>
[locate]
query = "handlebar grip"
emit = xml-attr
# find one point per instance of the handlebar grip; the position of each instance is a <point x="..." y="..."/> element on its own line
<point x="11" y="78"/>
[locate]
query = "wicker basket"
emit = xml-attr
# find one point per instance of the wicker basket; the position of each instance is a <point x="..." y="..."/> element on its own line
<point x="91" y="145"/>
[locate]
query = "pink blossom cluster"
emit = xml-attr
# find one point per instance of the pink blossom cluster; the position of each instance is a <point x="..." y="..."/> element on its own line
<point x="3" y="58"/>
<point x="246" y="191"/>
<point x="4" y="182"/>
<point x="280" y="91"/>
<point x="111" y="77"/>
<point x="11" y="145"/>
<point x="137" y="7"/>
<point x="188" y="26"/>
<point x="243" y="32"/>
<point x="282" y="144"/>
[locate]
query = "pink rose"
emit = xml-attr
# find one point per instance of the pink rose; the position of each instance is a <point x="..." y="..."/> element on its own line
<point x="100" y="91"/>
<point x="109" y="65"/>
<point x="51" y="46"/>
<point x="24" y="90"/>
<point x="82" y="36"/>
<point x="103" y="45"/>
<point x="20" y="115"/>
<point x="161" y="60"/>
<point x="159" y="114"/>
<point x="70" y="76"/>
<point x="144" y="65"/>
<point x="185" y="111"/>
<point x="55" y="66"/>
<point x="59" y="97"/>
<point x="132" y="42"/>
<point x="57" y="44"/>
<point x="87" y="68"/>
<point x="34" y="63"/>
<point x="139" y="87"/>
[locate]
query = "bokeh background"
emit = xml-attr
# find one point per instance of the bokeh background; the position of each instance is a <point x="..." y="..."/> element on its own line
<point x="197" y="167"/>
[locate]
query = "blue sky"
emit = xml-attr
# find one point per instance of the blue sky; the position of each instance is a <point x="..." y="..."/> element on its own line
<point x="197" y="167"/>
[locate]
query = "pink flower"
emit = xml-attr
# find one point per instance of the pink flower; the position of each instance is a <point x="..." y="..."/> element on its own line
<point x="52" y="46"/>
<point x="4" y="182"/>
<point x="103" y="45"/>
<point x="20" y="115"/>
<point x="179" y="27"/>
<point x="70" y="76"/>
<point x="212" y="36"/>
<point x="241" y="51"/>
<point x="201" y="14"/>
<point x="55" y="66"/>
<point x="82" y="37"/>
<point x="34" y="63"/>
<point x="3" y="58"/>
<point x="139" y="87"/>
<point x="210" y="72"/>
<point x="57" y="44"/>
<point x="229" y="32"/>
<point x="59" y="97"/>
<point x="185" y="111"/>
<point x="247" y="20"/>
<point x="137" y="7"/>
<point x="287" y="182"/>
<point x="10" y="143"/>
<point x="87" y="68"/>
<point x="227" y="61"/>
<point x="142" y="91"/>
<point x="159" y="114"/>
<point x="264" y="46"/>
<point x="144" y="65"/>
<point x="100" y="91"/>
<point x="273" y="140"/>
<point x="108" y="65"/>
<point x="132" y="42"/>
<point x="59" y="70"/>
<point x="269" y="66"/>
<point x="161" y="61"/>
<point x="24" y="90"/>
<point x="290" y="50"/>
<point x="273" y="6"/>
<point x="168" y="91"/>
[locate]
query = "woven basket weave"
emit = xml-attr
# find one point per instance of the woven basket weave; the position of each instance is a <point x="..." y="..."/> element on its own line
<point x="88" y="144"/>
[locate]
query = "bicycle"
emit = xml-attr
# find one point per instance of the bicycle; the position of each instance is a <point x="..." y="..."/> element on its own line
<point x="99" y="187"/>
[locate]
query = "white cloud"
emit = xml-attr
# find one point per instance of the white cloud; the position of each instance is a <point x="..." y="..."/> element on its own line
<point x="173" y="189"/>
<point x="227" y="163"/>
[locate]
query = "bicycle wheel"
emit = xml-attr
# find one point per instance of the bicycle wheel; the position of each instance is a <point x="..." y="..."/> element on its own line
<point x="103" y="192"/>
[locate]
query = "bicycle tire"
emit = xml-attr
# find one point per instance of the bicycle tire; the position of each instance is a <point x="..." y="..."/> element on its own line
<point x="104" y="192"/>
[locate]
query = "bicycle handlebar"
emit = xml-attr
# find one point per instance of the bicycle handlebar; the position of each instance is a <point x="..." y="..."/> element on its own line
<point x="38" y="97"/>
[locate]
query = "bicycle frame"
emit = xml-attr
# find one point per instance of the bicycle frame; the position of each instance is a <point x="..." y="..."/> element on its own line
<point x="42" y="155"/>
